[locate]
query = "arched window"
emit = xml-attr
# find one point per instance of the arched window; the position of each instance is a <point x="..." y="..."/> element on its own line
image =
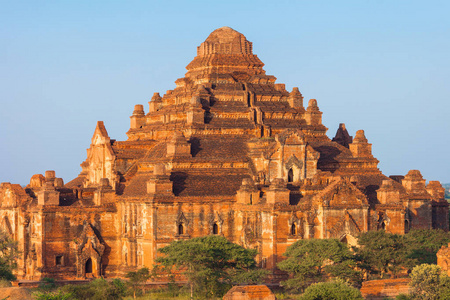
<point x="251" y="199"/>
<point x="88" y="266"/>
<point x="293" y="229"/>
<point x="215" y="228"/>
<point x="180" y="228"/>
<point x="290" y="175"/>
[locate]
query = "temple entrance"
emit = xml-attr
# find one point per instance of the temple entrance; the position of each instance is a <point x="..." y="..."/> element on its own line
<point x="290" y="175"/>
<point x="88" y="267"/>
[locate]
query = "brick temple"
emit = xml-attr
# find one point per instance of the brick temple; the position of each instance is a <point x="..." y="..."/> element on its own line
<point x="228" y="151"/>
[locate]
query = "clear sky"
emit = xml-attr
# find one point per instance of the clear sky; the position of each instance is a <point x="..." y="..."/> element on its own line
<point x="381" y="66"/>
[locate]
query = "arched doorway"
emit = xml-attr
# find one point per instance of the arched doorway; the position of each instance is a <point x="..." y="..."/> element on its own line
<point x="215" y="229"/>
<point x="88" y="267"/>
<point x="290" y="175"/>
<point x="180" y="229"/>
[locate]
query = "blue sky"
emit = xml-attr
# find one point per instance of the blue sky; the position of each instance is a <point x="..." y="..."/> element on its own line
<point x="381" y="66"/>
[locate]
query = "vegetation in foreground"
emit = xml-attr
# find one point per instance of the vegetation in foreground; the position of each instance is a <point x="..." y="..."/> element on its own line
<point x="212" y="265"/>
<point x="8" y="255"/>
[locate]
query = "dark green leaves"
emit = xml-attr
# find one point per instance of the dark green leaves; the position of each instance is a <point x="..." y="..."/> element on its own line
<point x="211" y="264"/>
<point x="310" y="261"/>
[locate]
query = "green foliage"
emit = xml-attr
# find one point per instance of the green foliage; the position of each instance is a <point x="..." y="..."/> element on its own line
<point x="137" y="279"/>
<point x="381" y="253"/>
<point x="422" y="245"/>
<point x="98" y="289"/>
<point x="444" y="287"/>
<point x="8" y="255"/>
<point x="309" y="261"/>
<point x="59" y="295"/>
<point x="334" y="290"/>
<point x="426" y="282"/>
<point x="211" y="264"/>
<point x="403" y="297"/>
<point x="47" y="284"/>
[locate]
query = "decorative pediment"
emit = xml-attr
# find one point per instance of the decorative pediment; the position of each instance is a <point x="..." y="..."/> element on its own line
<point x="294" y="161"/>
<point x="215" y="218"/>
<point x="345" y="226"/>
<point x="291" y="137"/>
<point x="88" y="242"/>
<point x="181" y="219"/>
<point x="342" y="193"/>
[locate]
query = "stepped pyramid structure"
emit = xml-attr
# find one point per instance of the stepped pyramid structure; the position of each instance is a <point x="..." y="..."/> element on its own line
<point x="229" y="151"/>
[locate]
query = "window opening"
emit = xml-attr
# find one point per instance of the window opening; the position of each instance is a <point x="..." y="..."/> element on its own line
<point x="58" y="260"/>
<point x="293" y="229"/>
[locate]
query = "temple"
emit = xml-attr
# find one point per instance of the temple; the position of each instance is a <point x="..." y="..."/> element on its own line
<point x="228" y="151"/>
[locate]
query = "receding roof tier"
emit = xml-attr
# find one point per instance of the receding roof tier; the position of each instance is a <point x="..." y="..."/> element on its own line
<point x="226" y="91"/>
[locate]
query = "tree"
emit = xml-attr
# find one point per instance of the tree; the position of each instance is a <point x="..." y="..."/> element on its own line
<point x="381" y="253"/>
<point x="8" y="255"/>
<point x="316" y="260"/>
<point x="333" y="290"/>
<point x="211" y="264"/>
<point x="136" y="279"/>
<point x="423" y="244"/>
<point x="425" y="282"/>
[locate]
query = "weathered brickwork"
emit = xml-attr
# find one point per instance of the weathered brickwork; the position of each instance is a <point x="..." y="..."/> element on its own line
<point x="385" y="288"/>
<point x="227" y="152"/>
<point x="249" y="292"/>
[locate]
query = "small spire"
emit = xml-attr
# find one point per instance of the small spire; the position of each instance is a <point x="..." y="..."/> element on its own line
<point x="138" y="110"/>
<point x="156" y="97"/>
<point x="342" y="137"/>
<point x="312" y="105"/>
<point x="360" y="137"/>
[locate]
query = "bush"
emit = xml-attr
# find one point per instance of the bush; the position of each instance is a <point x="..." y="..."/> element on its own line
<point x="47" y="284"/>
<point x="333" y="290"/>
<point x="98" y="289"/>
<point x="53" y="296"/>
